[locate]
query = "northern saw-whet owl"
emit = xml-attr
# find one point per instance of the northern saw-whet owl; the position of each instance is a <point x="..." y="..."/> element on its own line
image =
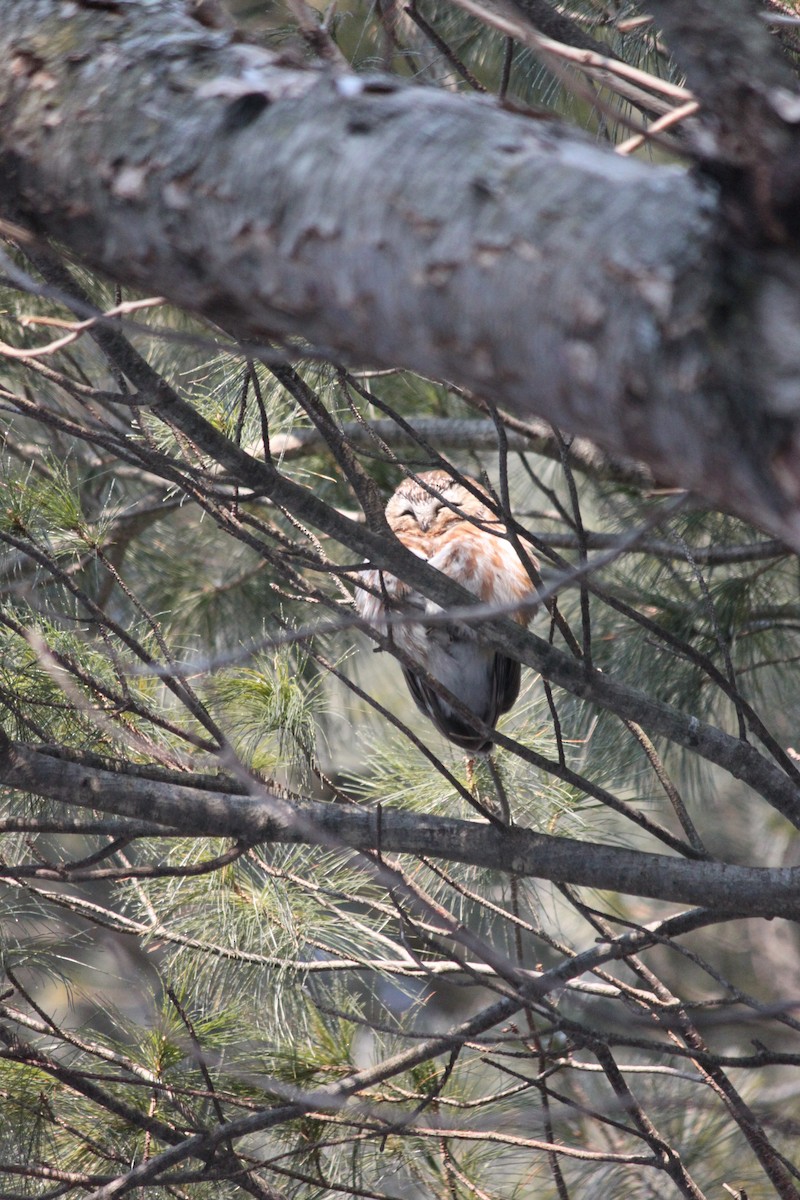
<point x="452" y="529"/>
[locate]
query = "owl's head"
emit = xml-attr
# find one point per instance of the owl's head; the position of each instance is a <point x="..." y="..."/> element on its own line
<point x="433" y="504"/>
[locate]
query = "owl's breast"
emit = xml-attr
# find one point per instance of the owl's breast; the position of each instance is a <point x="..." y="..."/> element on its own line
<point x="486" y="565"/>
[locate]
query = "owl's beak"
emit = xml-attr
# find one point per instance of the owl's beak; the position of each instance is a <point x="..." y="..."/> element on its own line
<point x="427" y="515"/>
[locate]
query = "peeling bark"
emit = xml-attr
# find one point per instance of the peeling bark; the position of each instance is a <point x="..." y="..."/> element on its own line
<point x="391" y="225"/>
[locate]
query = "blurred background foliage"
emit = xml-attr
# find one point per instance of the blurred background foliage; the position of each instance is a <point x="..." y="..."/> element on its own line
<point x="149" y="615"/>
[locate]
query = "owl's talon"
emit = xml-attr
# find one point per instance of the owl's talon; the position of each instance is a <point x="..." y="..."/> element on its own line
<point x="486" y="803"/>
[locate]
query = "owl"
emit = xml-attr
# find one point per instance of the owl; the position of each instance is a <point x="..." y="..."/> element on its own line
<point x="443" y="522"/>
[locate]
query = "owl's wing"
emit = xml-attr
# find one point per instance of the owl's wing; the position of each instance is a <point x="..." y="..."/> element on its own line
<point x="489" y="567"/>
<point x="372" y="605"/>
<point x="486" y="681"/>
<point x="493" y="692"/>
<point x="369" y="606"/>
<point x="454" y="727"/>
<point x="507" y="678"/>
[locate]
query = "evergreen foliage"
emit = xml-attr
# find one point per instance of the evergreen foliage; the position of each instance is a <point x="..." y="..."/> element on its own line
<point x="307" y="1017"/>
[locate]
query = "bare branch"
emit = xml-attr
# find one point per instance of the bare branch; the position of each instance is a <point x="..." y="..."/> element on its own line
<point x="268" y="817"/>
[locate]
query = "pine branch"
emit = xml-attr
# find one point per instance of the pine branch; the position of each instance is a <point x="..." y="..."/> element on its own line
<point x="265" y="816"/>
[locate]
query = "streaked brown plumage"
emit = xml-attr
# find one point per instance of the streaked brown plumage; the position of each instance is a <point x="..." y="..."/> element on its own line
<point x="444" y="523"/>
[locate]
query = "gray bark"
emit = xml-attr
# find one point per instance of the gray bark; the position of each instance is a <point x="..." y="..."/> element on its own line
<point x="399" y="226"/>
<point x="465" y="433"/>
<point x="265" y="817"/>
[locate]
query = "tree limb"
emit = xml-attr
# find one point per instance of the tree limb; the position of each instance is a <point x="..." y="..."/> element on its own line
<point x="749" y="92"/>
<point x="465" y="433"/>
<point x="778" y="786"/>
<point x="335" y="1095"/>
<point x="536" y="268"/>
<point x="265" y="816"/>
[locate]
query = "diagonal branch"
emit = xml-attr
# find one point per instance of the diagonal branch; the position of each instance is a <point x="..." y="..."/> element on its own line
<point x="333" y="1097"/>
<point x="779" y="787"/>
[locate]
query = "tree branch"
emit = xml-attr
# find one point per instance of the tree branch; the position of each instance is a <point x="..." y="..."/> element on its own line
<point x="778" y="786"/>
<point x="749" y="92"/>
<point x="333" y="1096"/>
<point x="535" y="268"/>
<point x="464" y="433"/>
<point x="264" y="816"/>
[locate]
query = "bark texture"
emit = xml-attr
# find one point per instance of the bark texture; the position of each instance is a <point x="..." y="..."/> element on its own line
<point x="400" y="226"/>
<point x="263" y="816"/>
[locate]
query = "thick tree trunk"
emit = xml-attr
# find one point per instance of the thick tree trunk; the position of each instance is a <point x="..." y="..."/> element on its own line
<point x="401" y="226"/>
